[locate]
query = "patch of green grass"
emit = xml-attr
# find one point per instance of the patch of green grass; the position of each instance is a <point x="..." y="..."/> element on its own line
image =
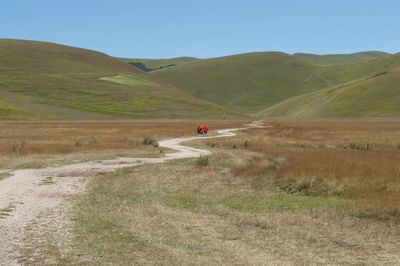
<point x="129" y="80"/>
<point x="31" y="165"/>
<point x="105" y="236"/>
<point x="4" y="176"/>
<point x="98" y="226"/>
<point x="9" y="110"/>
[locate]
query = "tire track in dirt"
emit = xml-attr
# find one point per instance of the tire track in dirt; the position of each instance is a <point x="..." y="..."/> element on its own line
<point x="29" y="198"/>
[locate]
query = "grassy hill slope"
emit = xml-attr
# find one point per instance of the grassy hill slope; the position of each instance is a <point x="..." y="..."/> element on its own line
<point x="342" y="59"/>
<point x="371" y="96"/>
<point x="154" y="64"/>
<point x="246" y="82"/>
<point x="48" y="81"/>
<point x="252" y="82"/>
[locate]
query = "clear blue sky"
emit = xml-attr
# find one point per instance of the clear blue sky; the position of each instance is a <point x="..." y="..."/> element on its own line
<point x="206" y="28"/>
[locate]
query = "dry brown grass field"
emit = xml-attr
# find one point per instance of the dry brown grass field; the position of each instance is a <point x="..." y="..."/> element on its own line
<point x="32" y="144"/>
<point x="298" y="192"/>
<point x="359" y="159"/>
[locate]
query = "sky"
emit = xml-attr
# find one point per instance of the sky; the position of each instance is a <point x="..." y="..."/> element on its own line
<point x="206" y="28"/>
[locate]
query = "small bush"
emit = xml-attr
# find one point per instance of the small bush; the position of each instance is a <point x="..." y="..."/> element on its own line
<point x="130" y="142"/>
<point x="77" y="142"/>
<point x="355" y="146"/>
<point x="150" y="141"/>
<point x="17" y="146"/>
<point x="92" y="140"/>
<point x="246" y="143"/>
<point x="212" y="145"/>
<point x="203" y="160"/>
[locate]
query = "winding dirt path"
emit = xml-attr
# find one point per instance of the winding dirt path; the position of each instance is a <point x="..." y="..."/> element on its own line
<point x="35" y="201"/>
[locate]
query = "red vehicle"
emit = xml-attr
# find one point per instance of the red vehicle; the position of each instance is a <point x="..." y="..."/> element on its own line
<point x="202" y="130"/>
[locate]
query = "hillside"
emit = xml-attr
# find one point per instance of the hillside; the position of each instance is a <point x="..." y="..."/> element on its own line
<point x="154" y="64"/>
<point x="342" y="59"/>
<point x="252" y="82"/>
<point x="246" y="82"/>
<point x="48" y="81"/>
<point x="370" y="96"/>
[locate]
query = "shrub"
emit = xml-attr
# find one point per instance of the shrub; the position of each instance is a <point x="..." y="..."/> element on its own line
<point x="150" y="141"/>
<point x="246" y="143"/>
<point x="17" y="146"/>
<point x="92" y="140"/>
<point x="130" y="142"/>
<point x="203" y="160"/>
<point x="355" y="146"/>
<point x="77" y="142"/>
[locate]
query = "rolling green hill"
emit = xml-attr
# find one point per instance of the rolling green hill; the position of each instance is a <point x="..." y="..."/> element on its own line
<point x="154" y="64"/>
<point x="342" y="59"/>
<point x="255" y="81"/>
<point x="375" y="95"/>
<point x="48" y="81"/>
<point x="41" y="80"/>
<point x="246" y="82"/>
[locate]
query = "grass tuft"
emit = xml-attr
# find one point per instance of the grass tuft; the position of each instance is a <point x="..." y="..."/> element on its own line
<point x="203" y="160"/>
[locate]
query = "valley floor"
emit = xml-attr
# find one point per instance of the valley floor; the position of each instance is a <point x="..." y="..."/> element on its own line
<point x="299" y="192"/>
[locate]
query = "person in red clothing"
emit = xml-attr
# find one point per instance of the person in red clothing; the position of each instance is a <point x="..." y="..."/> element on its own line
<point x="202" y="130"/>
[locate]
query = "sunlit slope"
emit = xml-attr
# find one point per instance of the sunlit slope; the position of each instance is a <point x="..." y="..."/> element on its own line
<point x="337" y="74"/>
<point x="246" y="82"/>
<point x="45" y="81"/>
<point x="342" y="59"/>
<point x="255" y="81"/>
<point x="374" y="96"/>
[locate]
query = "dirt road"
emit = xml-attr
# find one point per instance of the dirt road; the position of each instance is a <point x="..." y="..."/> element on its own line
<point x="34" y="202"/>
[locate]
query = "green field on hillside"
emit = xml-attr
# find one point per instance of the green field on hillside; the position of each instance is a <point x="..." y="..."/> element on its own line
<point x="131" y="80"/>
